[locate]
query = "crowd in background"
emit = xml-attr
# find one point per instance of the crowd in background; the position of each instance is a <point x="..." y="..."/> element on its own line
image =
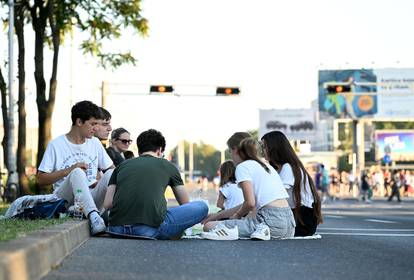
<point x="373" y="182"/>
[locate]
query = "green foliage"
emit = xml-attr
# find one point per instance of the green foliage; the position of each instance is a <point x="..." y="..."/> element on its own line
<point x="254" y="133"/>
<point x="343" y="164"/>
<point x="15" y="228"/>
<point x="394" y="125"/>
<point x="345" y="136"/>
<point x="206" y="158"/>
<point x="102" y="21"/>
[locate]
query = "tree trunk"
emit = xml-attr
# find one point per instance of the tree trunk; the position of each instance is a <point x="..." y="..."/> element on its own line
<point x="21" y="145"/>
<point x="3" y="90"/>
<point x="39" y="17"/>
<point x="53" y="79"/>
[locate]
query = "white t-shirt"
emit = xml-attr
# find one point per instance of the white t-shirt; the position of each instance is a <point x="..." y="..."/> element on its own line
<point x="288" y="179"/>
<point x="61" y="154"/>
<point x="233" y="195"/>
<point x="267" y="186"/>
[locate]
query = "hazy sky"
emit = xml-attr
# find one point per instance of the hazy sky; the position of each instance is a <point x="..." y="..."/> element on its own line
<point x="272" y="50"/>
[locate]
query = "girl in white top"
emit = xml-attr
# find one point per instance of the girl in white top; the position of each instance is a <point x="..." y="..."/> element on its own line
<point x="230" y="195"/>
<point x="303" y="197"/>
<point x="265" y="198"/>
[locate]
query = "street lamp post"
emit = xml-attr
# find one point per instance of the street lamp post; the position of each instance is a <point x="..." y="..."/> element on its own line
<point x="12" y="178"/>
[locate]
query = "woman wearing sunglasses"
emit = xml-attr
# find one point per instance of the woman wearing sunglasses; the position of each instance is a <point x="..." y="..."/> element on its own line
<point x="120" y="142"/>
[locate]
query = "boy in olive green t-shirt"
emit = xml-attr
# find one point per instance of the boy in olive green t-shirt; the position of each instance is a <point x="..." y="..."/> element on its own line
<point x="136" y="190"/>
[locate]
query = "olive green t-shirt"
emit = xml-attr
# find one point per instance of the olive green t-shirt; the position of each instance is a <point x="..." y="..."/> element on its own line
<point x="140" y="187"/>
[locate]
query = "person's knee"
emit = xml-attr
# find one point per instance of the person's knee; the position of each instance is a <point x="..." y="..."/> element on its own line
<point x="77" y="172"/>
<point x="202" y="207"/>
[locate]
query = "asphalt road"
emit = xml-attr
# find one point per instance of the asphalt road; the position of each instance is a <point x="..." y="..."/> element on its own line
<point x="359" y="241"/>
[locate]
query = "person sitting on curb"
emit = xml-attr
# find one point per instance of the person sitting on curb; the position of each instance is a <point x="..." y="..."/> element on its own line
<point x="265" y="199"/>
<point x="136" y="199"/>
<point x="120" y="142"/>
<point x="71" y="163"/>
<point x="104" y="126"/>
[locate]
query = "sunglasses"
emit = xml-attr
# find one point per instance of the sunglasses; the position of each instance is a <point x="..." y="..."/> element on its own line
<point x="125" y="141"/>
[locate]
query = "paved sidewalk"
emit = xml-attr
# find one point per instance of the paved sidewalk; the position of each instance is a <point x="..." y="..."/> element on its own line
<point x="33" y="256"/>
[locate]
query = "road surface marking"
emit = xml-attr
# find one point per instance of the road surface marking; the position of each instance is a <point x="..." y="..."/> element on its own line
<point x="334" y="216"/>
<point x="380" y="221"/>
<point x="366" y="229"/>
<point x="367" y="234"/>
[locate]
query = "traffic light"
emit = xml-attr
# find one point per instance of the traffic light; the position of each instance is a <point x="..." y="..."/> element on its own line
<point x="227" y="91"/>
<point x="161" y="89"/>
<point x="338" y="88"/>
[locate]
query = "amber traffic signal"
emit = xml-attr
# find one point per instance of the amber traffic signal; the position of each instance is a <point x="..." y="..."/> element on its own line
<point x="161" y="88"/>
<point x="227" y="91"/>
<point x="333" y="89"/>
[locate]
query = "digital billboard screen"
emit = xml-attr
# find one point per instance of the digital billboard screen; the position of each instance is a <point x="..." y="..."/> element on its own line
<point x="397" y="144"/>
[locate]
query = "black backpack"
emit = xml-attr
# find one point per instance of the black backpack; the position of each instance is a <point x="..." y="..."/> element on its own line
<point x="44" y="210"/>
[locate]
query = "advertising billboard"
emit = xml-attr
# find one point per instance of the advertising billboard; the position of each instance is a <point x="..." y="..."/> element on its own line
<point x="394" y="145"/>
<point x="369" y="93"/>
<point x="296" y="124"/>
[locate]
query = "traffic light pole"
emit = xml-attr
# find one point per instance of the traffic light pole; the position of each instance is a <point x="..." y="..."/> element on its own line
<point x="358" y="146"/>
<point x="355" y="159"/>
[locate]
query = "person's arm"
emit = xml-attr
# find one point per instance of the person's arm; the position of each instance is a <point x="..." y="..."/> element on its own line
<point x="48" y="178"/>
<point x="249" y="203"/>
<point x="220" y="201"/>
<point x="181" y="194"/>
<point x="109" y="197"/>
<point x="225" y="214"/>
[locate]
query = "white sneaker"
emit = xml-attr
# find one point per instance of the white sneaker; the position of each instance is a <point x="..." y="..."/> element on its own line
<point x="221" y="232"/>
<point x="97" y="225"/>
<point x="262" y="232"/>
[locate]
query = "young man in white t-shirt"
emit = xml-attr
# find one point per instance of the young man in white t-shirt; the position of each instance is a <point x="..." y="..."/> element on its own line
<point x="71" y="163"/>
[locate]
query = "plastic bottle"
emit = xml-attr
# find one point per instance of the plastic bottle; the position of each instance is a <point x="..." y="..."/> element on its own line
<point x="78" y="205"/>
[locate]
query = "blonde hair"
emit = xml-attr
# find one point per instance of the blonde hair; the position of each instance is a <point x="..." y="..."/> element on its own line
<point x="247" y="147"/>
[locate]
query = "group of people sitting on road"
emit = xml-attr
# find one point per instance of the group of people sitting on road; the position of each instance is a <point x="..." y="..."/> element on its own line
<point x="261" y="199"/>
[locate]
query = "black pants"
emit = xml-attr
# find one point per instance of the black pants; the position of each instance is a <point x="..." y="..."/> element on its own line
<point x="309" y="222"/>
<point x="395" y="192"/>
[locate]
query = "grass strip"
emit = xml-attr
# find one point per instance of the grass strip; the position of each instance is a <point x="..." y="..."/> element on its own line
<point x="16" y="228"/>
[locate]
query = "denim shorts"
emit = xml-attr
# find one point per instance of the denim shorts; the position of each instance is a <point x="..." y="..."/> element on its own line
<point x="279" y="219"/>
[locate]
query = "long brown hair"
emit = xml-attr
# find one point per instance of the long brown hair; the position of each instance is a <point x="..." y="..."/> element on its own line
<point x="227" y="170"/>
<point x="246" y="146"/>
<point x="280" y="152"/>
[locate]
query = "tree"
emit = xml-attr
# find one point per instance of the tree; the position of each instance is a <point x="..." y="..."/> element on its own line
<point x="3" y="90"/>
<point x="206" y="158"/>
<point x="103" y="20"/>
<point x="51" y="20"/>
<point x="19" y="21"/>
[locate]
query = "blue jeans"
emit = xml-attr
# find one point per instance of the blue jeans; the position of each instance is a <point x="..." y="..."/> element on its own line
<point x="177" y="219"/>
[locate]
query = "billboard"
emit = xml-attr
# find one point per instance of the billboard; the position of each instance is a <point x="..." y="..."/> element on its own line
<point x="374" y="93"/>
<point x="296" y="124"/>
<point x="396" y="145"/>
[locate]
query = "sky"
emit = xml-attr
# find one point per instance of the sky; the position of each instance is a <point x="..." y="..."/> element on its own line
<point x="272" y="50"/>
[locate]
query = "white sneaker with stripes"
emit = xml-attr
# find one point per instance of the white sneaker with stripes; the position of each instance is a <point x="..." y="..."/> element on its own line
<point x="221" y="232"/>
<point x="262" y="232"/>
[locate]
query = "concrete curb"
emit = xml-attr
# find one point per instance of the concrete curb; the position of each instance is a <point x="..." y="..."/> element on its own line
<point x="33" y="256"/>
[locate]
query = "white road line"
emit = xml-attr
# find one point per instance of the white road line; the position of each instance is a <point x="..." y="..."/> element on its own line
<point x="380" y="221"/>
<point x="368" y="229"/>
<point x="367" y="234"/>
<point x="334" y="216"/>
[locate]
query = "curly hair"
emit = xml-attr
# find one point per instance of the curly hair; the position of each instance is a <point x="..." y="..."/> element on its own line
<point x="85" y="110"/>
<point x="150" y="141"/>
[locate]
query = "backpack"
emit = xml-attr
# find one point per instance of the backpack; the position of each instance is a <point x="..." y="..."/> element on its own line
<point x="44" y="210"/>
